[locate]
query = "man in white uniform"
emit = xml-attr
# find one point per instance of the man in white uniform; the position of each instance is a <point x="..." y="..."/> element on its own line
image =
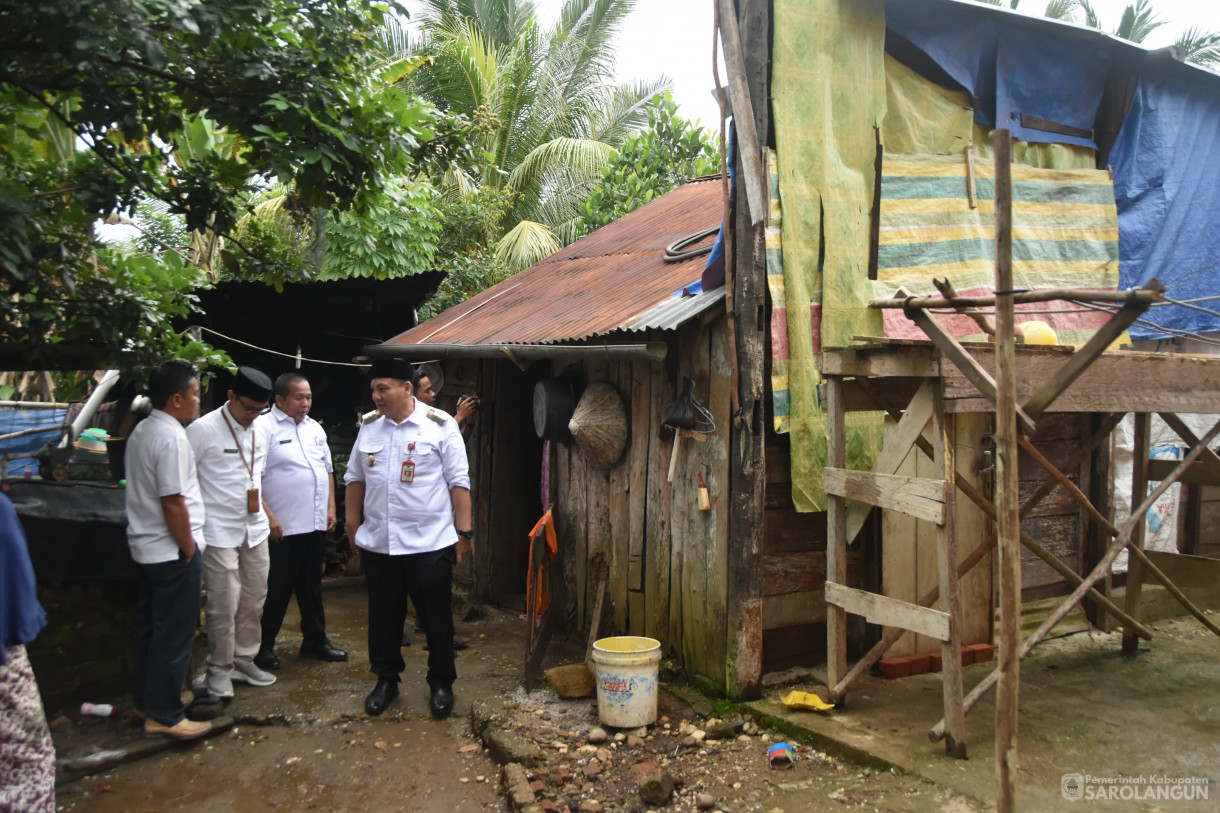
<point x="299" y="498"/>
<point x="231" y="453"/>
<point x="408" y="513"/>
<point x="165" y="535"/>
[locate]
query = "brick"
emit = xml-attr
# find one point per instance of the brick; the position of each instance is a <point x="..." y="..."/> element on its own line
<point x="983" y="653"/>
<point x="895" y="667"/>
<point x="920" y="663"/>
<point x="936" y="661"/>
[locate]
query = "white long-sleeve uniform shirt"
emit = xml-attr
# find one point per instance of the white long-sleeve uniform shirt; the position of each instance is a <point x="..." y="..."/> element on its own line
<point x="223" y="478"/>
<point x="296" y="483"/>
<point x="408" y="509"/>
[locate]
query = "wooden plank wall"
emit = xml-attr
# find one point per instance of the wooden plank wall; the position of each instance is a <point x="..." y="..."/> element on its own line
<point x="1199" y="521"/>
<point x="667" y="560"/>
<point x="794" y="571"/>
<point x="1056" y="521"/>
<point x="908" y="562"/>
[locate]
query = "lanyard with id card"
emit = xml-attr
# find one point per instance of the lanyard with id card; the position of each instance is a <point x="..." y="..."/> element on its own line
<point x="251" y="492"/>
<point x="408" y="466"/>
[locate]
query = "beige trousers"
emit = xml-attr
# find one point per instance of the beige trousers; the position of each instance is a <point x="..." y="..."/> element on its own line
<point x="236" y="581"/>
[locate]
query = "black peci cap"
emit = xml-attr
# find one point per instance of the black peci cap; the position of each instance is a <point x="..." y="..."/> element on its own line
<point x="392" y="368"/>
<point x="253" y="384"/>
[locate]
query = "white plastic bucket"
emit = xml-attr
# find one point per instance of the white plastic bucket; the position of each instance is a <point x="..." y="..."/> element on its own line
<point x="626" y="669"/>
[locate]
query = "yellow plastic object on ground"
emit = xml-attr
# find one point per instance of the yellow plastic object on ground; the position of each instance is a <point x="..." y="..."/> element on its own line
<point x="806" y="701"/>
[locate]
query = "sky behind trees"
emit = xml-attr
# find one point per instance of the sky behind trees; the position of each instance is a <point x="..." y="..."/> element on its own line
<point x="674" y="37"/>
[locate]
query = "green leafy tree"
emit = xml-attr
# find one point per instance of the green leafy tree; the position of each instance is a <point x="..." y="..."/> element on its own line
<point x="545" y="114"/>
<point x="190" y="104"/>
<point x="649" y="164"/>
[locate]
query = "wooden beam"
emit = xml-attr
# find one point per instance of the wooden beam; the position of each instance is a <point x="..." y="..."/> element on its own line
<point x="946" y="572"/>
<point x="1198" y="572"/>
<point x="890" y="612"/>
<point x="747" y="470"/>
<point x="908" y="302"/>
<point x="1008" y="521"/>
<point x="910" y="427"/>
<point x="1094" y="347"/>
<point x="919" y="497"/>
<point x="1199" y="474"/>
<point x="880" y="362"/>
<point x="836" y="533"/>
<point x="1208" y="459"/>
<point x="964" y="362"/>
<point x="1139" y="487"/>
<point x="748" y="142"/>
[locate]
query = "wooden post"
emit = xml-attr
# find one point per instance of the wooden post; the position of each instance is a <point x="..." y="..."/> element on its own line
<point x="1139" y="487"/>
<point x="946" y="564"/>
<point x="746" y="463"/>
<point x="836" y="539"/>
<point x="1008" y="522"/>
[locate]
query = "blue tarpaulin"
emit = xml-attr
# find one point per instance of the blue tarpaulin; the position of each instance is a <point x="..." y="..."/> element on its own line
<point x="1009" y="70"/>
<point x="1167" y="186"/>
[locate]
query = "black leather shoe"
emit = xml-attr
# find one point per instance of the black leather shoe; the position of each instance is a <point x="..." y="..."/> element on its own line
<point x="267" y="659"/>
<point x="325" y="652"/>
<point x="405" y="640"/>
<point x="378" y="699"/>
<point x="442" y="702"/>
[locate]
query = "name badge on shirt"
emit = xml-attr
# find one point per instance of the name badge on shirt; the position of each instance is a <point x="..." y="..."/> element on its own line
<point x="408" y="471"/>
<point x="282" y="442"/>
<point x="230" y="451"/>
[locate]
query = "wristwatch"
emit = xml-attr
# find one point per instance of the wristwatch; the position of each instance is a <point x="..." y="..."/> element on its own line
<point x="468" y="534"/>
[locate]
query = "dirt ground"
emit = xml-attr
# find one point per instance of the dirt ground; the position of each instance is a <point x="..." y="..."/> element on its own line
<point x="305" y="744"/>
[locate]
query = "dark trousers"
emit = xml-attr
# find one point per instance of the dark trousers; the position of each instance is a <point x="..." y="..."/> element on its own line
<point x="296" y="567"/>
<point x="428" y="579"/>
<point x="166" y="617"/>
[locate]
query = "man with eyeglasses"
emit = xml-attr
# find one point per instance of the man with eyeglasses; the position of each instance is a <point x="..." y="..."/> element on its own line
<point x="230" y="455"/>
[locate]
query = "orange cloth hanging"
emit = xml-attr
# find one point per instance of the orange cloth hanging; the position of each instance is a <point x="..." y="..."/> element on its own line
<point x="540" y="592"/>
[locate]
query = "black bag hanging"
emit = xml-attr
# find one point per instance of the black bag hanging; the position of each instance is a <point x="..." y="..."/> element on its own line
<point x="687" y="413"/>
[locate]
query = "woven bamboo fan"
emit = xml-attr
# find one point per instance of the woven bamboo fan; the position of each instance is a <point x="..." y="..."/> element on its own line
<point x="599" y="425"/>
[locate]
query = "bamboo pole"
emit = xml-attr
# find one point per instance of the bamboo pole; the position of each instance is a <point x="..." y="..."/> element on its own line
<point x="1008" y="521"/>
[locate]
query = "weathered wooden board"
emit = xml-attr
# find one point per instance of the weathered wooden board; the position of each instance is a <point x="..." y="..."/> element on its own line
<point x="656" y="574"/>
<point x="893" y="451"/>
<point x="786" y="530"/>
<point x="922" y="498"/>
<point x="1117" y="381"/>
<point x="903" y="362"/>
<point x="889" y="612"/>
<point x="975" y="588"/>
<point x="640" y="402"/>
<point x="800" y="572"/>
<point x="1187" y="571"/>
<point x="717" y="480"/>
<point x="808" y="607"/>
<point x="900" y="547"/>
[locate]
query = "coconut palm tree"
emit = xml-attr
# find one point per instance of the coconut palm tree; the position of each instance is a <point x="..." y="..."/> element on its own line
<point x="545" y="112"/>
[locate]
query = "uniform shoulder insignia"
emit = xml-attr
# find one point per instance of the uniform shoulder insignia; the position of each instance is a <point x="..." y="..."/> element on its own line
<point x="432" y="415"/>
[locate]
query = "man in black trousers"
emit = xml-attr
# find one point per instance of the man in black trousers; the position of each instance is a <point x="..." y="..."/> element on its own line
<point x="299" y="498"/>
<point x="408" y="513"/>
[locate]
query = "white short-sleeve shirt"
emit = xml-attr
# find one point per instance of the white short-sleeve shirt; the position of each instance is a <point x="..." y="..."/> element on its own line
<point x="159" y="463"/>
<point x="224" y="481"/>
<point x="297" y="481"/>
<point x="408" y="470"/>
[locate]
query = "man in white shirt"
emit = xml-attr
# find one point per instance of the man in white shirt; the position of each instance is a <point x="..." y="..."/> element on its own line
<point x="165" y="535"/>
<point x="408" y="515"/>
<point x="299" y="498"/>
<point x="231" y="453"/>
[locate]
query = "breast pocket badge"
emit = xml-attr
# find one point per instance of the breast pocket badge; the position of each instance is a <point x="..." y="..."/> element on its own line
<point x="371" y="461"/>
<point x="408" y="471"/>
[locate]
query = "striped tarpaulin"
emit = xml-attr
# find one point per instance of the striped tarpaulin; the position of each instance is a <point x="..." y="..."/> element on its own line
<point x="1065" y="235"/>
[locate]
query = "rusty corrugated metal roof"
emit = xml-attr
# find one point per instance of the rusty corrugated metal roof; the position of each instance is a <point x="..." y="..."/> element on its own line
<point x="613" y="279"/>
